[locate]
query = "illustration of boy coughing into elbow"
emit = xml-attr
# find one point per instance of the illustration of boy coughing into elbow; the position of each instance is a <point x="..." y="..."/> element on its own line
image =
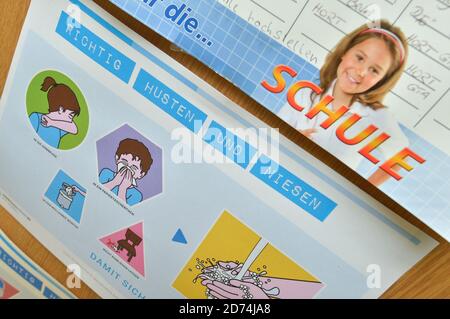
<point x="133" y="160"/>
<point x="63" y="106"/>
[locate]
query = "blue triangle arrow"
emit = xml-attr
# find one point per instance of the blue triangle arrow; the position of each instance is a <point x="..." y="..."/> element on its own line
<point x="179" y="237"/>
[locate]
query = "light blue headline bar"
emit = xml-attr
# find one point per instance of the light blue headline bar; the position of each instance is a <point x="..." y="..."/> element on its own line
<point x="50" y="294"/>
<point x="20" y="270"/>
<point x="95" y="48"/>
<point x="293" y="188"/>
<point x="169" y="101"/>
<point x="229" y="144"/>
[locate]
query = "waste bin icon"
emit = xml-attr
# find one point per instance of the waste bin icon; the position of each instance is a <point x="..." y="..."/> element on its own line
<point x="65" y="196"/>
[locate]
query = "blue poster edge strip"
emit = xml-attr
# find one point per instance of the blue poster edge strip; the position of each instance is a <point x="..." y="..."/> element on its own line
<point x="25" y="260"/>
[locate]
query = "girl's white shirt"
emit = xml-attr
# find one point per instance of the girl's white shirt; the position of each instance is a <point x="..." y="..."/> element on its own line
<point x="327" y="139"/>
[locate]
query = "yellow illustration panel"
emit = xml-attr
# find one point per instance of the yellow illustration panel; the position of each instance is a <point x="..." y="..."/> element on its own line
<point x="234" y="262"/>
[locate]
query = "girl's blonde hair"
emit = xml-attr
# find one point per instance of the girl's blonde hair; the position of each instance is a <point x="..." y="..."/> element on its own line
<point x="375" y="95"/>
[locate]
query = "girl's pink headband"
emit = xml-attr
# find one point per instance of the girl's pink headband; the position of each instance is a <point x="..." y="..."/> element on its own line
<point x="391" y="36"/>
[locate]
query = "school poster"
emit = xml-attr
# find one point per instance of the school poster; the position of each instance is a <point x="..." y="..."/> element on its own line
<point x="122" y="162"/>
<point x="365" y="80"/>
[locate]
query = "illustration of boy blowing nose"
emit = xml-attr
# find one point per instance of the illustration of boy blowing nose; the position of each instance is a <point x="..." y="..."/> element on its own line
<point x="133" y="160"/>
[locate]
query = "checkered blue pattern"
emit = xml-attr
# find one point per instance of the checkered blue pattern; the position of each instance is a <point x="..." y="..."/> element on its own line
<point x="426" y="190"/>
<point x="239" y="51"/>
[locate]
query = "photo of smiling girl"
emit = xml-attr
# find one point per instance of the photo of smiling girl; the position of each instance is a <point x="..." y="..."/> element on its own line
<point x="63" y="106"/>
<point x="363" y="67"/>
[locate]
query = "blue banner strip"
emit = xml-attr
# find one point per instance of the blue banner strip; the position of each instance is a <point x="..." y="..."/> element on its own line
<point x="95" y="48"/>
<point x="50" y="294"/>
<point x="232" y="146"/>
<point x="169" y="101"/>
<point x="20" y="270"/>
<point x="293" y="188"/>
